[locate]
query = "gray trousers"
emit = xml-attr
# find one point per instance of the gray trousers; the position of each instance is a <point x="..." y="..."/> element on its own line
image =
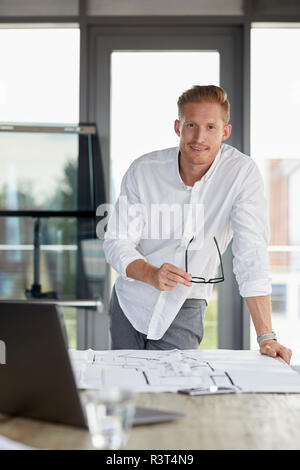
<point x="186" y="331"/>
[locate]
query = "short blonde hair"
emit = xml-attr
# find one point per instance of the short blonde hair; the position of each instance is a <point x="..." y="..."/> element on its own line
<point x="204" y="94"/>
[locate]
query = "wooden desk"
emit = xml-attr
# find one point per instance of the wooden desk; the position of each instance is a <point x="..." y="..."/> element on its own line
<point x="235" y="421"/>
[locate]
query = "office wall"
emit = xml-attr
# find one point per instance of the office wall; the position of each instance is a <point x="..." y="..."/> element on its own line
<point x="120" y="7"/>
<point x="39" y="7"/>
<point x="166" y="7"/>
<point x="252" y="10"/>
<point x="275" y="7"/>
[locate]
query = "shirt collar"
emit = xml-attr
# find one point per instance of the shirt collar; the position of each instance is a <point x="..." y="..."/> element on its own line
<point x="182" y="184"/>
<point x="212" y="168"/>
<point x="209" y="172"/>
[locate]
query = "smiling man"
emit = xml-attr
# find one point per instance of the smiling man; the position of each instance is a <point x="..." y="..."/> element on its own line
<point x="160" y="297"/>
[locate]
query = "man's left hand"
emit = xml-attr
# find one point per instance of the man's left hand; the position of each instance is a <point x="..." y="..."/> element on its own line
<point x="274" y="349"/>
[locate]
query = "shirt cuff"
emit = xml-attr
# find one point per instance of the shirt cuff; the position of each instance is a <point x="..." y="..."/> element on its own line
<point x="256" y="288"/>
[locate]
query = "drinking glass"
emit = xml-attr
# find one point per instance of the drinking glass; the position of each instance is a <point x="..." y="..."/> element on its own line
<point x="109" y="414"/>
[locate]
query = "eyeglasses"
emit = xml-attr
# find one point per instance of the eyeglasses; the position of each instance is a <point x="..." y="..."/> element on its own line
<point x="201" y="280"/>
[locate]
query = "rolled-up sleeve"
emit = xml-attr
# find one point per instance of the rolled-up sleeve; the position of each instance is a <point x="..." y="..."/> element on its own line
<point x="250" y="225"/>
<point x="125" y="227"/>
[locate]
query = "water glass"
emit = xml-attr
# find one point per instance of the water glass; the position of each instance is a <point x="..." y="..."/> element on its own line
<point x="109" y="414"/>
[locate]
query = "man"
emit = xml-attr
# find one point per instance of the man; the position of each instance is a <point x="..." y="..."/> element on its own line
<point x="160" y="297"/>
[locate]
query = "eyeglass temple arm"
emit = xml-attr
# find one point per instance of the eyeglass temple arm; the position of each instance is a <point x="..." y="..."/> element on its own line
<point x="186" y="254"/>
<point x="221" y="264"/>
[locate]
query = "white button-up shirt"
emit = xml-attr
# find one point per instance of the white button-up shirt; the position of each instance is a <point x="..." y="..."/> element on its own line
<point x="228" y="201"/>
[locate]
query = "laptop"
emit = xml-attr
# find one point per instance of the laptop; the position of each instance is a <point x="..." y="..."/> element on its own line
<point x="37" y="379"/>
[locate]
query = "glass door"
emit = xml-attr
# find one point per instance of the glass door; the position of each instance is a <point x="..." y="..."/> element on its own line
<point x="275" y="100"/>
<point x="139" y="75"/>
<point x="144" y="103"/>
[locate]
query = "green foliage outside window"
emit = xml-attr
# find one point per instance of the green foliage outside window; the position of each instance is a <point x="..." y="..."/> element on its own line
<point x="210" y="338"/>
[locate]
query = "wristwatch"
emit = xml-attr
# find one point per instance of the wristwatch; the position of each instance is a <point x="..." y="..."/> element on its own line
<point x="266" y="336"/>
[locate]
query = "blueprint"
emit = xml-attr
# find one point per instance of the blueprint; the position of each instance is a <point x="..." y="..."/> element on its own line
<point x="191" y="371"/>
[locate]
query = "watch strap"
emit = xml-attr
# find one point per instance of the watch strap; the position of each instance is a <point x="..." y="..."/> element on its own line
<point x="266" y="336"/>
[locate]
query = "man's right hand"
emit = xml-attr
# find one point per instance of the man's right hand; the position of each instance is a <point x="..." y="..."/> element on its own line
<point x="164" y="278"/>
<point x="168" y="276"/>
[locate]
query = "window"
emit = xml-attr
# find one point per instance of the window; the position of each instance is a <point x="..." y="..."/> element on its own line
<point x="279" y="299"/>
<point x="39" y="81"/>
<point x="275" y="99"/>
<point x="150" y="79"/>
<point x="48" y="244"/>
<point x="39" y="171"/>
<point x="39" y="84"/>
